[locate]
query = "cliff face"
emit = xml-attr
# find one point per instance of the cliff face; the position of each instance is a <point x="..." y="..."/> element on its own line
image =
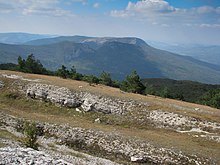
<point x="96" y="128"/>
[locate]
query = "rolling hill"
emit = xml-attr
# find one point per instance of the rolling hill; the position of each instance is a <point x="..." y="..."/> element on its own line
<point x="118" y="56"/>
<point x="207" y="53"/>
<point x="20" y="38"/>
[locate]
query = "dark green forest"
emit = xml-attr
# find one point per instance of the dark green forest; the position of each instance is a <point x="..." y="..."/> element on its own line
<point x="184" y="90"/>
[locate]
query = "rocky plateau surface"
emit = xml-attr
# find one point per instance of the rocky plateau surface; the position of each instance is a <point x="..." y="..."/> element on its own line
<point x="21" y="155"/>
<point x="90" y="102"/>
<point x="104" y="144"/>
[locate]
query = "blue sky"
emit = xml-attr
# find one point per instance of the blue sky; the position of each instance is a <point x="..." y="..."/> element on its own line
<point x="171" y="21"/>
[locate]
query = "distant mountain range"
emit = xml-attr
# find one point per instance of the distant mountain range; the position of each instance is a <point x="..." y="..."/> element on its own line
<point x="118" y="56"/>
<point x="20" y="38"/>
<point x="207" y="53"/>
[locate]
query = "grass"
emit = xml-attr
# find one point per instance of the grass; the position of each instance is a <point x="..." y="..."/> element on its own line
<point x="15" y="104"/>
<point x="4" y="134"/>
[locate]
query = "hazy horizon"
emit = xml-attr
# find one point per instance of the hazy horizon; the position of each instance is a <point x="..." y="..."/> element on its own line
<point x="168" y="21"/>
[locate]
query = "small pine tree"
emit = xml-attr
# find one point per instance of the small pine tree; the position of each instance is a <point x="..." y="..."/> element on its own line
<point x="74" y="75"/>
<point x="21" y="64"/>
<point x="31" y="65"/>
<point x="150" y="90"/>
<point x="105" y="78"/>
<point x="91" y="79"/>
<point x="133" y="84"/>
<point x="72" y="72"/>
<point x="30" y="131"/>
<point x="63" y="72"/>
<point x="165" y="93"/>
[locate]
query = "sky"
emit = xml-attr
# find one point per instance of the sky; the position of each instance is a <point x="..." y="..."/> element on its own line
<point x="170" y="21"/>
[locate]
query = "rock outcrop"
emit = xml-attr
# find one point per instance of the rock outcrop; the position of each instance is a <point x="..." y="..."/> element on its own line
<point x="1" y="84"/>
<point x="111" y="145"/>
<point x="10" y="155"/>
<point x="89" y="102"/>
<point x="97" y="103"/>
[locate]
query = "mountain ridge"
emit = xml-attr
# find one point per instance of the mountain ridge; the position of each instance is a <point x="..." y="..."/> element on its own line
<point x="117" y="56"/>
<point x="20" y="37"/>
<point x="206" y="53"/>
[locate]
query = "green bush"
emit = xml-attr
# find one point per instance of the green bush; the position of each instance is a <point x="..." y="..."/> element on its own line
<point x="63" y="72"/>
<point x="30" y="132"/>
<point x="91" y="79"/>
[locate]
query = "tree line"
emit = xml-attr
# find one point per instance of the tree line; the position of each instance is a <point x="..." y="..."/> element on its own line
<point x="132" y="83"/>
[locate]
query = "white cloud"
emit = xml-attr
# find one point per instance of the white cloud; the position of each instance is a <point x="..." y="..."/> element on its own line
<point x="163" y="13"/>
<point x="6" y="8"/>
<point x="144" y="8"/>
<point x="33" y="10"/>
<point x="165" y="25"/>
<point x="96" y="5"/>
<point x="205" y="9"/>
<point x="121" y="13"/>
<point x="84" y="2"/>
<point x="39" y="7"/>
<point x="147" y="19"/>
<point x="210" y="25"/>
<point x="150" y="6"/>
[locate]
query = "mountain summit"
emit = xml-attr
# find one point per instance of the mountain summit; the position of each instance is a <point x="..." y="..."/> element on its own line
<point x="117" y="56"/>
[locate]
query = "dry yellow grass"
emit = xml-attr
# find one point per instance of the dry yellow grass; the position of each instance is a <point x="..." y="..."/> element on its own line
<point x="157" y="102"/>
<point x="158" y="137"/>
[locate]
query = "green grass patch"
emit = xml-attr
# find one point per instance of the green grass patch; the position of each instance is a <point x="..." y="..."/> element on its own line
<point x="4" y="134"/>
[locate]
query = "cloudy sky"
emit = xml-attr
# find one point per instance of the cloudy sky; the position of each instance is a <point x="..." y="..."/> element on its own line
<point x="171" y="21"/>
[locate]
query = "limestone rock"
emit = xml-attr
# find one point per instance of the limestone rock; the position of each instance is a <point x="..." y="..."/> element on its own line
<point x="197" y="109"/>
<point x="97" y="120"/>
<point x="138" y="159"/>
<point x="27" y="156"/>
<point x="58" y="95"/>
<point x="71" y="103"/>
<point x="73" y="99"/>
<point x="87" y="105"/>
<point x="78" y="110"/>
<point x="1" y="84"/>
